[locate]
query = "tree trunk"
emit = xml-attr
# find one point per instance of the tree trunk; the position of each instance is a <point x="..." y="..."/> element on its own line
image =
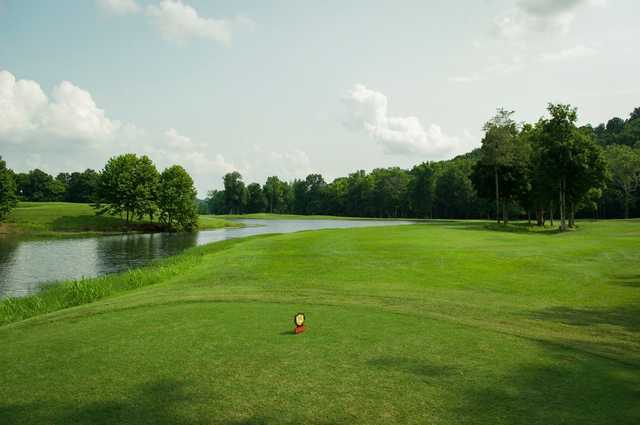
<point x="626" y="202"/>
<point x="505" y="213"/>
<point x="551" y="213"/>
<point x="495" y="174"/>
<point x="572" y="213"/>
<point x="529" y="217"/>
<point x="563" y="206"/>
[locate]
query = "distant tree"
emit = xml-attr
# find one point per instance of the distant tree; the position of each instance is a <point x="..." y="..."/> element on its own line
<point x="455" y="194"/>
<point x="256" y="201"/>
<point x="624" y="164"/>
<point x="274" y="193"/>
<point x="422" y="189"/>
<point x="316" y="187"/>
<point x="8" y="198"/>
<point x="235" y="193"/>
<point x="390" y="190"/>
<point x="335" y="197"/>
<point x="215" y="202"/>
<point x="82" y="187"/>
<point x="635" y="114"/>
<point x="359" y="194"/>
<point x="38" y="186"/>
<point x="177" y="199"/>
<point x="299" y="189"/>
<point x="128" y="185"/>
<point x="615" y="125"/>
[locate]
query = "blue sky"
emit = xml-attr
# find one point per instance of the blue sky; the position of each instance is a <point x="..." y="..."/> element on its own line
<point x="293" y="87"/>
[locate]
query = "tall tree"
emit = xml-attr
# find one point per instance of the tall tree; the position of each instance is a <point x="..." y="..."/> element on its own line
<point x="256" y="201"/>
<point x="215" y="202"/>
<point x="624" y="164"/>
<point x="316" y="187"/>
<point x="422" y="189"/>
<point x="235" y="192"/>
<point x="177" y="199"/>
<point x="274" y="193"/>
<point x="498" y="150"/>
<point x="8" y="198"/>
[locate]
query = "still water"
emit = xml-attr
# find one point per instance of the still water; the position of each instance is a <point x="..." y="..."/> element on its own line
<point x="25" y="266"/>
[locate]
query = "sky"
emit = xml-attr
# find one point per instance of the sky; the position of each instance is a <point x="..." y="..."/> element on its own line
<point x="290" y="88"/>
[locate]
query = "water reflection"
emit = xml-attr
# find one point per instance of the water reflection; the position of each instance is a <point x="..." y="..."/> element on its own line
<point x="27" y="265"/>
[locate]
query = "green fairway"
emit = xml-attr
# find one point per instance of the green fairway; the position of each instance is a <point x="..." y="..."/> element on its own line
<point x="430" y="323"/>
<point x="64" y="219"/>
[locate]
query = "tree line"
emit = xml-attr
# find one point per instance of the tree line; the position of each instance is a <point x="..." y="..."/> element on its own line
<point x="128" y="186"/>
<point x="547" y="170"/>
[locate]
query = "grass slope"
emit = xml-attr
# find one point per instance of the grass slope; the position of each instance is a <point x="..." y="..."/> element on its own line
<point x="64" y="219"/>
<point x="443" y="324"/>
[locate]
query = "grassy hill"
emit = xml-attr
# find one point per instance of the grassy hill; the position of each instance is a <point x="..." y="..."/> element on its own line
<point x="64" y="219"/>
<point x="451" y="323"/>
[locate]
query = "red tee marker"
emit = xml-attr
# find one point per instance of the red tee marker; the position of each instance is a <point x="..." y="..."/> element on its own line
<point x="298" y="320"/>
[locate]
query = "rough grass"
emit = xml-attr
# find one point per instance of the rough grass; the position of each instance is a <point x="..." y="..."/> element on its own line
<point x="64" y="219"/>
<point x="449" y="323"/>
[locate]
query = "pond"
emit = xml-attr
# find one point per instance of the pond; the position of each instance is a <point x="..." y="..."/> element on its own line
<point x="25" y="266"/>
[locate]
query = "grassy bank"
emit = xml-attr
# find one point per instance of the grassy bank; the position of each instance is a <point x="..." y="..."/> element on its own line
<point x="64" y="219"/>
<point x="439" y="323"/>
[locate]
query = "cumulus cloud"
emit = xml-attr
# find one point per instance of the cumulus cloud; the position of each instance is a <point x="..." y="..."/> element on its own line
<point x="539" y="16"/>
<point x="119" y="7"/>
<point x="26" y="111"/>
<point x="67" y="131"/>
<point x="573" y="53"/>
<point x="178" y="21"/>
<point x="367" y="110"/>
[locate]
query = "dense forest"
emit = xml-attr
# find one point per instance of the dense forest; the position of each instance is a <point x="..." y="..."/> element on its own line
<point x="541" y="171"/>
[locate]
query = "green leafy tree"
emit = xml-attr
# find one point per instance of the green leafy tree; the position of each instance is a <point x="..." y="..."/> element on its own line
<point x="8" y="197"/>
<point x="455" y="194"/>
<point x="316" y="187"/>
<point x="571" y="158"/>
<point x="256" y="201"/>
<point x="359" y="194"/>
<point x="38" y="186"/>
<point x="274" y="192"/>
<point x="498" y="153"/>
<point x="177" y="200"/>
<point x="215" y="202"/>
<point x="235" y="193"/>
<point x="624" y="164"/>
<point x="82" y="187"/>
<point x="128" y="185"/>
<point x="300" y="189"/>
<point x="390" y="190"/>
<point x="422" y="189"/>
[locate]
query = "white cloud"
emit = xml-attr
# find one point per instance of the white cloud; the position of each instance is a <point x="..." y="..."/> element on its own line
<point x="68" y="131"/>
<point x="178" y="21"/>
<point x="25" y="111"/>
<point x="367" y="110"/>
<point x="539" y="16"/>
<point x="119" y="7"/>
<point x="577" y="52"/>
